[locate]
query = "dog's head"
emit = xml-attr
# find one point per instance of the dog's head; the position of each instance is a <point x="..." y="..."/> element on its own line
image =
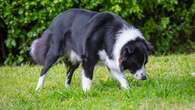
<point x="134" y="56"/>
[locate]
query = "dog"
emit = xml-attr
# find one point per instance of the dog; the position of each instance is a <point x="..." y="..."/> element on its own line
<point x="86" y="37"/>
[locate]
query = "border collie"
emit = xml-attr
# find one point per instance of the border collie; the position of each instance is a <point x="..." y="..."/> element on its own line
<point x="86" y="37"/>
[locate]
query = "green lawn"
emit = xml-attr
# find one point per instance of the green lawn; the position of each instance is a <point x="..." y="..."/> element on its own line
<point x="170" y="86"/>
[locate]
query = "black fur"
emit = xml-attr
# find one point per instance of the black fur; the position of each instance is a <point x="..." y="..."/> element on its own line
<point x="134" y="54"/>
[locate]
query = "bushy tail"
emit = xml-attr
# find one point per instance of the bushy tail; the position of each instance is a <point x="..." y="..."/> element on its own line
<point x="39" y="48"/>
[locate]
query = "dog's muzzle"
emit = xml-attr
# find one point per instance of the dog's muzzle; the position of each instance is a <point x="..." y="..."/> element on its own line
<point x="140" y="74"/>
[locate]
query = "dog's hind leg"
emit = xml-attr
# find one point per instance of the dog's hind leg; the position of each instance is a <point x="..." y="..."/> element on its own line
<point x="71" y="68"/>
<point x="51" y="57"/>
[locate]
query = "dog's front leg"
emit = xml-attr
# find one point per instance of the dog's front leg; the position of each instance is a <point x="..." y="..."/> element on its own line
<point x="121" y="78"/>
<point x="87" y="74"/>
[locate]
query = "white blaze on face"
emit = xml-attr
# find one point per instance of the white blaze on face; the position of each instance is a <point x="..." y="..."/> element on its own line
<point x="140" y="74"/>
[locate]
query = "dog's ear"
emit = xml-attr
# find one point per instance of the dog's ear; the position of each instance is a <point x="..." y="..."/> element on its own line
<point x="149" y="46"/>
<point x="127" y="51"/>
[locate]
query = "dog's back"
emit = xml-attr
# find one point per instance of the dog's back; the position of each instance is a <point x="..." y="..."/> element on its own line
<point x="72" y="29"/>
<point x="74" y="18"/>
<point x="60" y="30"/>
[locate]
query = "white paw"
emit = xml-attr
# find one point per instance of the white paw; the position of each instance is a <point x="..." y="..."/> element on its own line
<point x="125" y="86"/>
<point x="40" y="83"/>
<point x="86" y="82"/>
<point x="67" y="85"/>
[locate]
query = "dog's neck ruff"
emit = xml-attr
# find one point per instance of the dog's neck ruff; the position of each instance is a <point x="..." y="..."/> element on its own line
<point x="123" y="36"/>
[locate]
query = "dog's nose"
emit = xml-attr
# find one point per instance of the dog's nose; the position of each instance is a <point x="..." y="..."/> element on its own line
<point x="143" y="78"/>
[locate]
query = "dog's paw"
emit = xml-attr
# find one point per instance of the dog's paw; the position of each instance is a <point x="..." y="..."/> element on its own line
<point x="38" y="89"/>
<point x="67" y="85"/>
<point x="125" y="87"/>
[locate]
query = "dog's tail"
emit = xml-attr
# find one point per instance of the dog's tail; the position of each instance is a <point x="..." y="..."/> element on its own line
<point x="40" y="47"/>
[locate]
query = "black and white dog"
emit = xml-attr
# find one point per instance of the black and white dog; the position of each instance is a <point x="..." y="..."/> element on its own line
<point x="86" y="37"/>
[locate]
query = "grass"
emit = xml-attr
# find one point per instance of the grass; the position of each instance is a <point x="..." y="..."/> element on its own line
<point x="170" y="86"/>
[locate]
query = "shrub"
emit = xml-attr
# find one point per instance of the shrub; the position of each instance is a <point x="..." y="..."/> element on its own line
<point x="166" y="23"/>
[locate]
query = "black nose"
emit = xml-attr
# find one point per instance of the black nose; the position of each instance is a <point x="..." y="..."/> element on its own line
<point x="144" y="78"/>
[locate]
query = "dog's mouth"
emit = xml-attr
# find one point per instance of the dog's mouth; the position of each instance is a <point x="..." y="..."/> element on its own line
<point x="140" y="74"/>
<point x="140" y="77"/>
